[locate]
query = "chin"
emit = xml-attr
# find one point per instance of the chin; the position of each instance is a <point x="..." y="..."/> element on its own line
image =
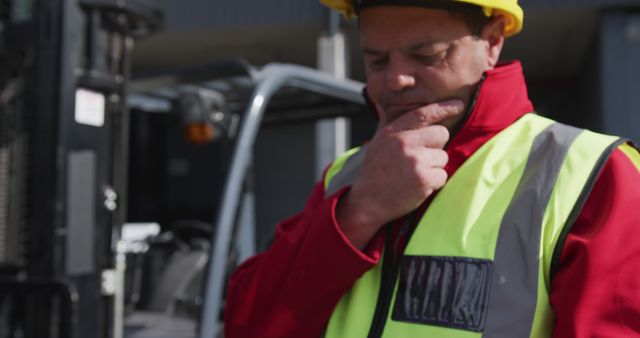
<point x="452" y="122"/>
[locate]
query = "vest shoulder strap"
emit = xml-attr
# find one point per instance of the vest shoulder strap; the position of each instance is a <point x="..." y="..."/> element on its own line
<point x="343" y="171"/>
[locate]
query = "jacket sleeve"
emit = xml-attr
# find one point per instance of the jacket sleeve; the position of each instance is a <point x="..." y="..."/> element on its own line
<point x="290" y="290"/>
<point x="596" y="290"/>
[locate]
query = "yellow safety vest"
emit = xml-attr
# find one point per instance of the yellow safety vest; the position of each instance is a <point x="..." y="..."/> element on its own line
<point x="479" y="262"/>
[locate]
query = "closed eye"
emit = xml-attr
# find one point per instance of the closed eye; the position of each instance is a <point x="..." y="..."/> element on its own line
<point x="429" y="54"/>
<point x="377" y="64"/>
<point x="430" y="59"/>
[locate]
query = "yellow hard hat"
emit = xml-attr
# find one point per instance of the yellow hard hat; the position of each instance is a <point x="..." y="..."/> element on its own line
<point x="509" y="8"/>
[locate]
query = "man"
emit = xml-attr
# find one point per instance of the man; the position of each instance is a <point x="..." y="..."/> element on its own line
<point x="465" y="215"/>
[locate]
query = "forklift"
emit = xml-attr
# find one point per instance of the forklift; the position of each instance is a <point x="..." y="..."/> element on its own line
<point x="232" y="235"/>
<point x="63" y="145"/>
<point x="74" y="263"/>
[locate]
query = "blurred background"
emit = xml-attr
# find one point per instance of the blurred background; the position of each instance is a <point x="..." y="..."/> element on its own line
<point x="581" y="61"/>
<point x="122" y="125"/>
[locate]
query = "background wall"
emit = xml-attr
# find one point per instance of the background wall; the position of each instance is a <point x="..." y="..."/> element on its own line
<point x="580" y="58"/>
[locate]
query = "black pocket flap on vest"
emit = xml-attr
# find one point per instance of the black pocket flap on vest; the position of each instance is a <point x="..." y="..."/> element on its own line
<point x="444" y="291"/>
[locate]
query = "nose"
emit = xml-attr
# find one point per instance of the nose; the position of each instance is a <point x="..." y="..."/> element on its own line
<point x="400" y="75"/>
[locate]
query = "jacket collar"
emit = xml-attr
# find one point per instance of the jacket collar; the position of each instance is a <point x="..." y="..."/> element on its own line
<point x="502" y="98"/>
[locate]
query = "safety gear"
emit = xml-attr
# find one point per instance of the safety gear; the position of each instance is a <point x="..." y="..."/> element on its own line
<point x="508" y="8"/>
<point x="487" y="271"/>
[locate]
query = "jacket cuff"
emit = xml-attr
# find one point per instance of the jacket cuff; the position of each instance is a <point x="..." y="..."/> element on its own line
<point x="371" y="254"/>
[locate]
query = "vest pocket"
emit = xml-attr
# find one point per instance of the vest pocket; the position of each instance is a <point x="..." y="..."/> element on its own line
<point x="450" y="292"/>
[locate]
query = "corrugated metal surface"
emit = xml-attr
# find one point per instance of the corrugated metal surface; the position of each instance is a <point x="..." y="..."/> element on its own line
<point x="230" y="14"/>
<point x="197" y="14"/>
<point x="577" y="3"/>
<point x="620" y="73"/>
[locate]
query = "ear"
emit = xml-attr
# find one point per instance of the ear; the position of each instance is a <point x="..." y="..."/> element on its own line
<point x="493" y="34"/>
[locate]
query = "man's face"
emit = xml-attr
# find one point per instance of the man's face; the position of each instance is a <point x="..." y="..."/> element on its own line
<point x="417" y="56"/>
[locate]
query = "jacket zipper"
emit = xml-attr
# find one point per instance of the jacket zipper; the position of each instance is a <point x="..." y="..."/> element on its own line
<point x="390" y="270"/>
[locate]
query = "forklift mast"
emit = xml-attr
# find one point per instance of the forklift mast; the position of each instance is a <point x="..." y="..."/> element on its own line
<point x="63" y="159"/>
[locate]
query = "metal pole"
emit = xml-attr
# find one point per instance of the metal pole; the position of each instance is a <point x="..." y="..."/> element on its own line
<point x="332" y="135"/>
<point x="269" y="80"/>
<point x="246" y="233"/>
<point x="119" y="291"/>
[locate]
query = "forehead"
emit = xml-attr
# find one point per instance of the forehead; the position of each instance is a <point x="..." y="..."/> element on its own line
<point x="388" y="26"/>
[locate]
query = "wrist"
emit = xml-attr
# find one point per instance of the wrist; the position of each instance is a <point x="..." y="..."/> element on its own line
<point x="356" y="221"/>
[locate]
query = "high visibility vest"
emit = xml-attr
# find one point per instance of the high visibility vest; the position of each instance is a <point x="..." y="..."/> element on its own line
<point x="480" y="260"/>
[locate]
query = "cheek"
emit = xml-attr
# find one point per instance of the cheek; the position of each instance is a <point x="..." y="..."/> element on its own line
<point x="439" y="81"/>
<point x="466" y="61"/>
<point x="454" y="76"/>
<point x="474" y="64"/>
<point x="375" y="85"/>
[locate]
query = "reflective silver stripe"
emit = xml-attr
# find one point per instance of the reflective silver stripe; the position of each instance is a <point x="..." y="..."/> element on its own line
<point x="514" y="288"/>
<point x="348" y="175"/>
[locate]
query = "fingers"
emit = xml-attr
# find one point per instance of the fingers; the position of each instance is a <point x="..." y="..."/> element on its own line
<point x="403" y="165"/>
<point x="426" y="116"/>
<point x="438" y="158"/>
<point x="435" y="136"/>
<point x="428" y="160"/>
<point x="432" y="136"/>
<point x="434" y="179"/>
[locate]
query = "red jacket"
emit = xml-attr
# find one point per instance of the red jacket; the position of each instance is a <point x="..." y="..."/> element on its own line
<point x="291" y="290"/>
